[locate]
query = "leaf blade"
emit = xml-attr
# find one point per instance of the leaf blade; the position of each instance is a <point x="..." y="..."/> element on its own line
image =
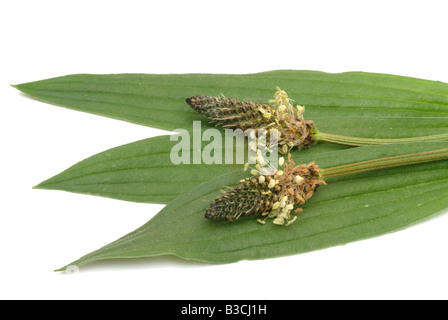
<point x="142" y="171"/>
<point x="345" y="103"/>
<point x="350" y="209"/>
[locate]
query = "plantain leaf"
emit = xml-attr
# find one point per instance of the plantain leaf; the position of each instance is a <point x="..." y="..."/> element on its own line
<point x="353" y="103"/>
<point x="350" y="208"/>
<point x="143" y="172"/>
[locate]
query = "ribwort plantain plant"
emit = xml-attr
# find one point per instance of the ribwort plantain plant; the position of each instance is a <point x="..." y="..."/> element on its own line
<point x="276" y="195"/>
<point x="363" y="207"/>
<point x="294" y="130"/>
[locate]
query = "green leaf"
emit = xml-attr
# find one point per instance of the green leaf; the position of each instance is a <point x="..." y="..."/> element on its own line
<point x="350" y="208"/>
<point x="143" y="172"/>
<point x="354" y="103"/>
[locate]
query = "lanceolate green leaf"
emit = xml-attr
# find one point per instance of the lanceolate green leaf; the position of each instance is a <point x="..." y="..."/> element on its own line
<point x="143" y="172"/>
<point x="353" y="103"/>
<point x="348" y="209"/>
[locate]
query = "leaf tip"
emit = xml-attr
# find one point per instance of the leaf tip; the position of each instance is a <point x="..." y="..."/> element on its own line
<point x="18" y="87"/>
<point x="42" y="185"/>
<point x="71" y="268"/>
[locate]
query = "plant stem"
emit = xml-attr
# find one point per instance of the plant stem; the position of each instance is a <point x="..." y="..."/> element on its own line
<point x="388" y="162"/>
<point x="358" y="142"/>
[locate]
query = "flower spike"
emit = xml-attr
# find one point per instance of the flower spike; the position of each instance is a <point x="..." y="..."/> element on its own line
<point x="293" y="130"/>
<point x="269" y="196"/>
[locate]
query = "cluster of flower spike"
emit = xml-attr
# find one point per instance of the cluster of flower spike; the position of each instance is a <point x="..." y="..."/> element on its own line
<point x="293" y="130"/>
<point x="271" y="195"/>
<point x="268" y="193"/>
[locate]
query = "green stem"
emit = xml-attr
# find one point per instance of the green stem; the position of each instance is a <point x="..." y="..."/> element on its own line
<point x="358" y="142"/>
<point x="389" y="162"/>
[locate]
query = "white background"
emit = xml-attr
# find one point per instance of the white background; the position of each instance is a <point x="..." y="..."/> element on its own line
<point x="42" y="230"/>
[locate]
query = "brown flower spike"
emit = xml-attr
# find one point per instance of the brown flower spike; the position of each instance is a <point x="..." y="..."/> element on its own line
<point x="293" y="130"/>
<point x="269" y="196"/>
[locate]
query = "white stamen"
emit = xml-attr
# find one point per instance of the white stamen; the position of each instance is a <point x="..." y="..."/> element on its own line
<point x="281" y="161"/>
<point x="279" y="221"/>
<point x="299" y="179"/>
<point x="291" y="221"/>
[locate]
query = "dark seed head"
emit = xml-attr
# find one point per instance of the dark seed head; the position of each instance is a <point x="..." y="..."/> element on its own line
<point x="246" y="114"/>
<point x="255" y="197"/>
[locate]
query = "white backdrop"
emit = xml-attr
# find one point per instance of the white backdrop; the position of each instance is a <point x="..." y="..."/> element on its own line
<point x="43" y="230"/>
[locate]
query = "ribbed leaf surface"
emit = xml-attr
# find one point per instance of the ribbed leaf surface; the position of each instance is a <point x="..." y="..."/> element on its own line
<point x="348" y="209"/>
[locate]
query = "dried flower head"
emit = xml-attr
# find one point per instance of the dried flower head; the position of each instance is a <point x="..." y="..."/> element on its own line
<point x="293" y="130"/>
<point x="269" y="196"/>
